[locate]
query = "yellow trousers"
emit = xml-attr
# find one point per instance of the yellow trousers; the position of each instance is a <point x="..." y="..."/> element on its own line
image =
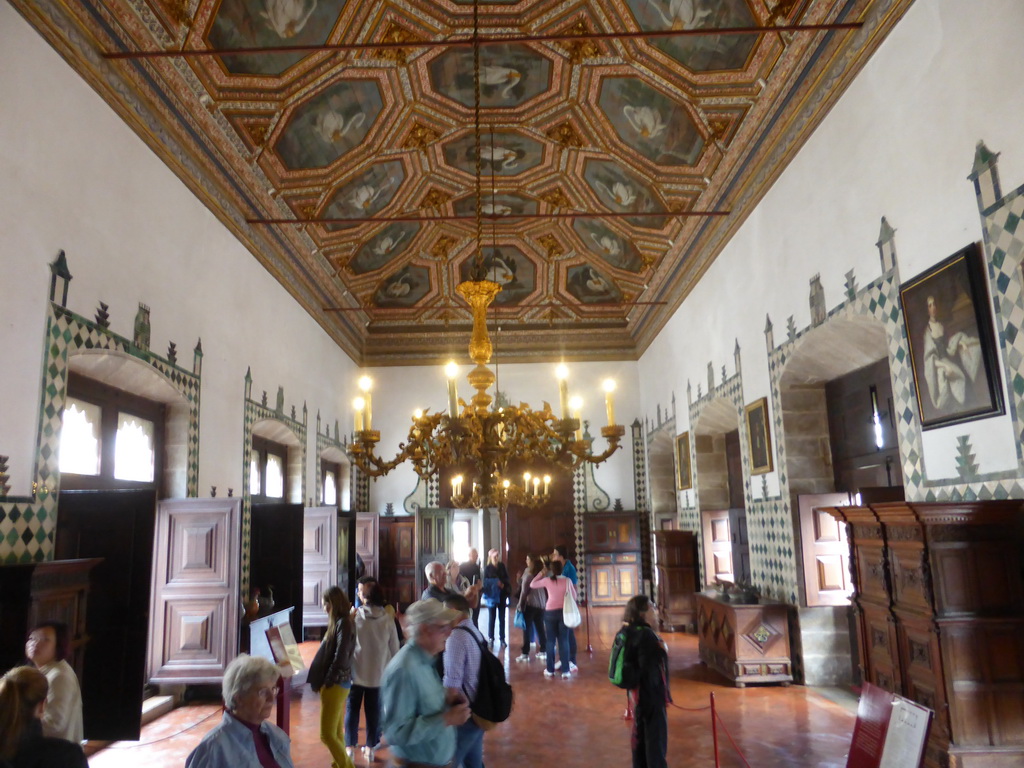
<point x="332" y="724"/>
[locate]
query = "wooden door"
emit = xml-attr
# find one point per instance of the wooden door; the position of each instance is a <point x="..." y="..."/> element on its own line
<point x="537" y="532"/>
<point x="397" y="560"/>
<point x="740" y="544"/>
<point x="275" y="562"/>
<point x="118" y="527"/>
<point x="346" y="526"/>
<point x="718" y="565"/>
<point x="319" y="561"/>
<point x="194" y="627"/>
<point x="826" y="552"/>
<point x="366" y="541"/>
<point x="433" y="540"/>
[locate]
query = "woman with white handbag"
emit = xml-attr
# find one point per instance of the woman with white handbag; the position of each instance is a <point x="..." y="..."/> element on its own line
<point x="561" y="604"/>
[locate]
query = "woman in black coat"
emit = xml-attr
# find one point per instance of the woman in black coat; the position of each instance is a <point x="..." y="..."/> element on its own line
<point x="650" y="699"/>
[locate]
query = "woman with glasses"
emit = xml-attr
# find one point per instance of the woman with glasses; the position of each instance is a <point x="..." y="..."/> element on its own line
<point x="244" y="738"/>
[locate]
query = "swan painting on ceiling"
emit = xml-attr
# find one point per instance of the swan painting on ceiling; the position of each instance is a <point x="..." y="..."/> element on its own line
<point x="510" y="75"/>
<point x="505" y="153"/>
<point x="404" y="288"/>
<point x="505" y="206"/>
<point x="366" y="194"/>
<point x="602" y="240"/>
<point x="700" y="53"/>
<point x="269" y="23"/>
<point x="509" y="268"/>
<point x="382" y="248"/>
<point x="329" y="125"/>
<point x="649" y="122"/>
<point x="622" y="192"/>
<point x="588" y="286"/>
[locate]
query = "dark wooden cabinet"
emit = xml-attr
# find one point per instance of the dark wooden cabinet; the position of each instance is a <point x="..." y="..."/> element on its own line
<point x="676" y="570"/>
<point x="745" y="643"/>
<point x="612" y="541"/>
<point x="939" y="599"/>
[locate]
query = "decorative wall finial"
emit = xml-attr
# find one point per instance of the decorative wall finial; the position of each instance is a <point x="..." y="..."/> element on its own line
<point x="886" y="246"/>
<point x="102" y="316"/>
<point x="769" y="334"/>
<point x="59" y="270"/>
<point x="817" y="301"/>
<point x="985" y="175"/>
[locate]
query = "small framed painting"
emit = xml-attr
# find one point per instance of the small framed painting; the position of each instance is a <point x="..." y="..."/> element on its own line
<point x="952" y="346"/>
<point x="684" y="477"/>
<point x="759" y="437"/>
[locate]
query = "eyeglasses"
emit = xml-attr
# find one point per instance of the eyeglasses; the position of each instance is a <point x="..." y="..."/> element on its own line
<point x="269" y="693"/>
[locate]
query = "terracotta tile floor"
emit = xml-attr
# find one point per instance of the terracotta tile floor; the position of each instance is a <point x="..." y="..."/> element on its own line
<point x="573" y="723"/>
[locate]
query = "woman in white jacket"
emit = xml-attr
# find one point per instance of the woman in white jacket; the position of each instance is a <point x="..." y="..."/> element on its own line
<point x="376" y="643"/>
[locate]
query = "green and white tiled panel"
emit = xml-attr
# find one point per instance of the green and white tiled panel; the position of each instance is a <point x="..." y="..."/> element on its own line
<point x="579" y="508"/>
<point x="27" y="526"/>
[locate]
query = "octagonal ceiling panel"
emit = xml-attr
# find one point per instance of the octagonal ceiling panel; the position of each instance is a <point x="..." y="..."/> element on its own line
<point x="510" y="75"/>
<point x="649" y="122"/>
<point x="510" y="268"/>
<point x="503" y="153"/>
<point x="326" y="126"/>
<point x="403" y="288"/>
<point x="390" y="243"/>
<point x="622" y="192"/>
<point x="588" y="286"/>
<point x="600" y="239"/>
<point x="587" y="136"/>
<point x="366" y="195"/>
<point x="269" y="23"/>
<point x="702" y="53"/>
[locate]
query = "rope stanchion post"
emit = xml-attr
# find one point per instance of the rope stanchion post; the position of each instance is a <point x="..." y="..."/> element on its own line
<point x="714" y="728"/>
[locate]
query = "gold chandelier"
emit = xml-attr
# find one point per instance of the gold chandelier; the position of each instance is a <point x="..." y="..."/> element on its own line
<point x="486" y="449"/>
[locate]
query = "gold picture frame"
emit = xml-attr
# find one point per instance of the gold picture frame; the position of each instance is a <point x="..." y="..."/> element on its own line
<point x="759" y="437"/>
<point x="684" y="474"/>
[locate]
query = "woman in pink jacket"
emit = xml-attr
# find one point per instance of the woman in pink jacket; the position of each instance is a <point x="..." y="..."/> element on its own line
<point x="557" y="585"/>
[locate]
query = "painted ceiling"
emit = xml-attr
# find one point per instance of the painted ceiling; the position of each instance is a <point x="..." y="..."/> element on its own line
<point x="612" y="169"/>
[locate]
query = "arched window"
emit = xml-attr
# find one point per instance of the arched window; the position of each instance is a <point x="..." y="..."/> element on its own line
<point x="109" y="438"/>
<point x="268" y="476"/>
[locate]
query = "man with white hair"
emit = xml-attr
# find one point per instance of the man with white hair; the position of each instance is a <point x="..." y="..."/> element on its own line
<point x="419" y="716"/>
<point x="437" y="582"/>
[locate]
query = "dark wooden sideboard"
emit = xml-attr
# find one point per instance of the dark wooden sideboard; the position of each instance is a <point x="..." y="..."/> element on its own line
<point x="939" y="600"/>
<point x="747" y="643"/>
<point x="612" y="541"/>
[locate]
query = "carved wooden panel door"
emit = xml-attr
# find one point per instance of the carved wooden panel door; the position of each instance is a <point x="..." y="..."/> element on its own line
<point x="397" y="560"/>
<point x="826" y="552"/>
<point x="319" y="561"/>
<point x="194" y="618"/>
<point x="718" y="550"/>
<point x="433" y="540"/>
<point x="367" y="541"/>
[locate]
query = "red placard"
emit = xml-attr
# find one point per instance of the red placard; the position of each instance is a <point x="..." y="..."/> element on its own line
<point x="890" y="732"/>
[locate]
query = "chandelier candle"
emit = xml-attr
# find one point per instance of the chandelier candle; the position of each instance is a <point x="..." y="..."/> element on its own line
<point x="358" y="405"/>
<point x="452" y="371"/>
<point x="366" y="384"/>
<point x="562" y="374"/>
<point x="609" y="388"/>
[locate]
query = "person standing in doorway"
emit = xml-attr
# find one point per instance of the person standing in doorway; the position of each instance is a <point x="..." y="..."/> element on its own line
<point x="470" y="571"/>
<point x="560" y="554"/>
<point x="497" y="588"/>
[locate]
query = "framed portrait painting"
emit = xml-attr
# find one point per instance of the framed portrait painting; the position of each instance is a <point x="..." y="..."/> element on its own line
<point x="759" y="437"/>
<point x="684" y="477"/>
<point x="952" y="345"/>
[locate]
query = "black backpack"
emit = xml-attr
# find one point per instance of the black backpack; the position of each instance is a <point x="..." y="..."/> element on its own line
<point x="623" y="670"/>
<point x="493" y="702"/>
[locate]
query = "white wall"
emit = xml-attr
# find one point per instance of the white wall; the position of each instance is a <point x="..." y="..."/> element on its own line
<point x="399" y="391"/>
<point x="73" y="176"/>
<point x="900" y="144"/>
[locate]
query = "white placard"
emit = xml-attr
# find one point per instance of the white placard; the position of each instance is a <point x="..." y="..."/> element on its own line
<point x="906" y="735"/>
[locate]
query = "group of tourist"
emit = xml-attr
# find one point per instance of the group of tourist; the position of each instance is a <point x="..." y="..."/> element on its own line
<point x="415" y="698"/>
<point x="41" y="705"/>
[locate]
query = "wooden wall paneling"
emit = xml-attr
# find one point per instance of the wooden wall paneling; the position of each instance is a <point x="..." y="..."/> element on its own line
<point x="397" y="559"/>
<point x="319" y="562"/>
<point x="367" y="541"/>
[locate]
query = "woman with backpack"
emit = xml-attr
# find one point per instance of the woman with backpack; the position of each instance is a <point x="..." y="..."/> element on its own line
<point x="646" y="651"/>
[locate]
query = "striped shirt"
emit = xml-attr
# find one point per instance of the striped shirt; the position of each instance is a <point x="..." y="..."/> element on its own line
<point x="462" y="659"/>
